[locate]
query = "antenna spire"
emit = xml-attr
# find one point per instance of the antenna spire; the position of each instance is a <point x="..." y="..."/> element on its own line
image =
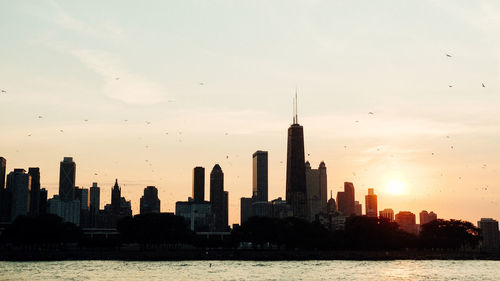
<point x="295" y="109"/>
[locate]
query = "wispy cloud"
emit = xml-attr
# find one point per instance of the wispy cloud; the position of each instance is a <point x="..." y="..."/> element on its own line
<point x="119" y="83"/>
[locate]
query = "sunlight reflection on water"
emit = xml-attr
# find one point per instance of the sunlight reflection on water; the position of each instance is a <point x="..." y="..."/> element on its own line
<point x="251" y="270"/>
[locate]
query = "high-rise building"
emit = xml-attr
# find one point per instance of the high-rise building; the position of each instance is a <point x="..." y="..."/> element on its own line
<point x="260" y="176"/>
<point x="358" y="208"/>
<point x="371" y="204"/>
<point x="199" y="184"/>
<point x="82" y="195"/>
<point x="407" y="222"/>
<point x="245" y="209"/>
<point x="3" y="168"/>
<point x="490" y="234"/>
<point x="387" y="214"/>
<point x="331" y="205"/>
<point x="4" y="202"/>
<point x="296" y="190"/>
<point x="116" y="194"/>
<point x="18" y="188"/>
<point x="69" y="211"/>
<point x="150" y="203"/>
<point x="316" y="190"/>
<point x="217" y="197"/>
<point x="345" y="200"/>
<point x="67" y="173"/>
<point x="43" y="201"/>
<point x="95" y="198"/>
<point x="198" y="215"/>
<point x="34" y="191"/>
<point x="427" y="217"/>
<point x="225" y="212"/>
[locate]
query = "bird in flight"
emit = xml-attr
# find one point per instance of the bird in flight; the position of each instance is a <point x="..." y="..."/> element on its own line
<point x="3" y="91"/>
<point x="148" y="122"/>
<point x="86" y="120"/>
<point x="448" y="55"/>
<point x="117" y="78"/>
<point x="450" y="86"/>
<point x="201" y="83"/>
<point x="371" y="113"/>
<point x="483" y="85"/>
<point x="29" y="135"/>
<point x="40" y="116"/>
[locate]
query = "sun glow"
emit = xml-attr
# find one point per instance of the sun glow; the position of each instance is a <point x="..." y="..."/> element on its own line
<point x="395" y="187"/>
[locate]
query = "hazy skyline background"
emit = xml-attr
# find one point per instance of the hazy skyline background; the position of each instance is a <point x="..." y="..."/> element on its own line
<point x="219" y="78"/>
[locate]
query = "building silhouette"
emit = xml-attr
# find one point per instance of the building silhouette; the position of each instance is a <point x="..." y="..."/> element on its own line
<point x="260" y="176"/>
<point x="358" y="208"/>
<point x="345" y="200"/>
<point x="331" y="206"/>
<point x="218" y="198"/>
<point x="316" y="183"/>
<point x="387" y="214"/>
<point x="198" y="215"/>
<point x="18" y="190"/>
<point x="199" y="184"/>
<point x="34" y="191"/>
<point x="490" y="234"/>
<point x="43" y="201"/>
<point x="4" y="204"/>
<point x="119" y="208"/>
<point x="82" y="196"/>
<point x="95" y="198"/>
<point x="67" y="173"/>
<point x="427" y="217"/>
<point x="407" y="222"/>
<point x="296" y="190"/>
<point x="150" y="203"/>
<point x="371" y="204"/>
<point x="245" y="209"/>
<point x="116" y="195"/>
<point x="69" y="211"/>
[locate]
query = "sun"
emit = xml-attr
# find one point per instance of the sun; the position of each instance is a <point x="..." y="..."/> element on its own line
<point x="395" y="187"/>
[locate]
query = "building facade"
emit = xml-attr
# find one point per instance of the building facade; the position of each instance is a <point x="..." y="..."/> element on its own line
<point x="345" y="200"/>
<point x="67" y="174"/>
<point x="407" y="222"/>
<point x="150" y="203"/>
<point x="490" y="234"/>
<point x="260" y="176"/>
<point x="18" y="190"/>
<point x="371" y="204"/>
<point x="387" y="214"/>
<point x="199" y="184"/>
<point x="34" y="191"/>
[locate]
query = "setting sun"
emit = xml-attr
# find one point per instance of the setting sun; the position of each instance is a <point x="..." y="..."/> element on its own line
<point x="395" y="187"/>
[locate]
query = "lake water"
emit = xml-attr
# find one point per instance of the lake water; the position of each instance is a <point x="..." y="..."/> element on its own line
<point x="251" y="270"/>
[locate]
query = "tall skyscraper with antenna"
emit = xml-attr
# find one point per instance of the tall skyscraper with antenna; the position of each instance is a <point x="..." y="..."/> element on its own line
<point x="296" y="192"/>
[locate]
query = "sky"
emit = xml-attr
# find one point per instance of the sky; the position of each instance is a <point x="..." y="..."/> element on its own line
<point x="144" y="91"/>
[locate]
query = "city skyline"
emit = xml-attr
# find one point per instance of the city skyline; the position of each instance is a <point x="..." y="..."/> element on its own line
<point x="147" y="99"/>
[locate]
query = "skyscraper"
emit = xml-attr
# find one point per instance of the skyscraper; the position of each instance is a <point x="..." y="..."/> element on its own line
<point x="260" y="176"/>
<point x="345" y="200"/>
<point x="150" y="203"/>
<point x="387" y="214"/>
<point x="116" y="194"/>
<point x="18" y="187"/>
<point x="43" y="201"/>
<point x="34" y="191"/>
<point x="358" y="208"/>
<point x="217" y="197"/>
<point x="296" y="190"/>
<point x="316" y="190"/>
<point x="199" y="184"/>
<point x="371" y="204"/>
<point x="82" y="195"/>
<point x="3" y="167"/>
<point x="426" y="217"/>
<point x="95" y="198"/>
<point x="67" y="174"/>
<point x="407" y="222"/>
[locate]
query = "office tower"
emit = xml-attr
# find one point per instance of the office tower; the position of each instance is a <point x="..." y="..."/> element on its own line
<point x="345" y="200"/>
<point x="296" y="190"/>
<point x="43" y="201"/>
<point x="82" y="195"/>
<point x="116" y="194"/>
<point x="407" y="222"/>
<point x="95" y="198"/>
<point x="387" y="214"/>
<point x="4" y="204"/>
<point x="245" y="209"/>
<point x="490" y="234"/>
<point x="371" y="204"/>
<point x="316" y="190"/>
<point x="199" y="184"/>
<point x="3" y="167"/>
<point x="18" y="188"/>
<point x="358" y="208"/>
<point x="34" y="191"/>
<point x="150" y="203"/>
<point x="225" y="212"/>
<point x="260" y="176"/>
<point x="217" y="196"/>
<point x="427" y="217"/>
<point x="331" y="205"/>
<point x="67" y="174"/>
<point x="69" y="211"/>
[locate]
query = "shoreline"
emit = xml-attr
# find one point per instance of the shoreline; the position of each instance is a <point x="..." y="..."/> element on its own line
<point x="243" y="255"/>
